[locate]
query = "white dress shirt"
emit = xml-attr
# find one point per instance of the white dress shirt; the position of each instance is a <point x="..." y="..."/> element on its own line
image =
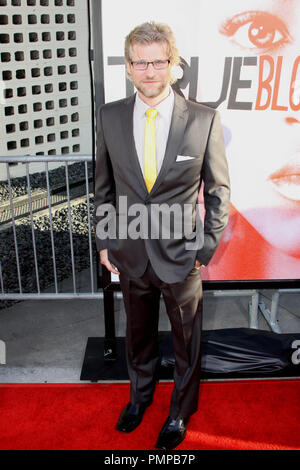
<point x="162" y="122"/>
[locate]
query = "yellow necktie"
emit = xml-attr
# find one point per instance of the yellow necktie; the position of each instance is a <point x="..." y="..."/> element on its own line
<point x="150" y="171"/>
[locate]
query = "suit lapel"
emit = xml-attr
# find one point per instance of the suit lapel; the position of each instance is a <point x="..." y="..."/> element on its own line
<point x="129" y="144"/>
<point x="175" y="138"/>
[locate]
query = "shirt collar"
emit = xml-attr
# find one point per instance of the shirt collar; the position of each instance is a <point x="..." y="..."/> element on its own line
<point x="165" y="108"/>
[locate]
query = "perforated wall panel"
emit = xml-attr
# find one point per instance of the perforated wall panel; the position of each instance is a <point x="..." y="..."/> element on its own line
<point x="44" y="78"/>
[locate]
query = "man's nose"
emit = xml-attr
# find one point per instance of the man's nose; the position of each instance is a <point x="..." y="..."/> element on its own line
<point x="150" y="69"/>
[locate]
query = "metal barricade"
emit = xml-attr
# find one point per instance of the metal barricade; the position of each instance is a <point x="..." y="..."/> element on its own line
<point x="48" y="204"/>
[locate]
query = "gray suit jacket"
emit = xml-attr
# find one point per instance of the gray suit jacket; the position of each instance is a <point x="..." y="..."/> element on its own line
<point x="196" y="132"/>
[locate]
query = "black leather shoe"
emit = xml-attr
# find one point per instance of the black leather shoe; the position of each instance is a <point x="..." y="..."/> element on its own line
<point x="131" y="417"/>
<point x="172" y="433"/>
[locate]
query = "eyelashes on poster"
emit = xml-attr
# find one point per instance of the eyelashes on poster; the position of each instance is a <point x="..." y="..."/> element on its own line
<point x="243" y="59"/>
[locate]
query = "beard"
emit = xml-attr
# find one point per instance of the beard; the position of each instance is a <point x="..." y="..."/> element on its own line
<point x="152" y="91"/>
<point x="155" y="89"/>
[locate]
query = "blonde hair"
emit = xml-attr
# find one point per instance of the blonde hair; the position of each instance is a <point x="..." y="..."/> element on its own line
<point x="150" y="32"/>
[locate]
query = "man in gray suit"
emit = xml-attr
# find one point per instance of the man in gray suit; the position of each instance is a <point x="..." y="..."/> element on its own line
<point x="154" y="150"/>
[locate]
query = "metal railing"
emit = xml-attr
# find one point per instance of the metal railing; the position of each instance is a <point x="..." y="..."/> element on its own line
<point x="48" y="209"/>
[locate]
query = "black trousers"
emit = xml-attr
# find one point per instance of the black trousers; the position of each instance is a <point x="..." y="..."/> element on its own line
<point x="184" y="304"/>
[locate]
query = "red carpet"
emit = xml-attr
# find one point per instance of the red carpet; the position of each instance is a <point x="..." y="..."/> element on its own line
<point x="244" y="415"/>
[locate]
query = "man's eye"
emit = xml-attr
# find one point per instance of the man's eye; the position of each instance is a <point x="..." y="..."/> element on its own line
<point x="256" y="31"/>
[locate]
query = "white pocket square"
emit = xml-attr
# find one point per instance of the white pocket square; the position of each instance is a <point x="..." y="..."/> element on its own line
<point x="183" y="158"/>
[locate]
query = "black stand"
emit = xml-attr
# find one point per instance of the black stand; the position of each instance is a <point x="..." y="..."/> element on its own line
<point x="98" y="367"/>
<point x="226" y="354"/>
<point x="109" y="343"/>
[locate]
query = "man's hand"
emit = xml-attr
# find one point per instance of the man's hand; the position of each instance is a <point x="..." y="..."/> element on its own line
<point x="197" y="264"/>
<point x="104" y="260"/>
